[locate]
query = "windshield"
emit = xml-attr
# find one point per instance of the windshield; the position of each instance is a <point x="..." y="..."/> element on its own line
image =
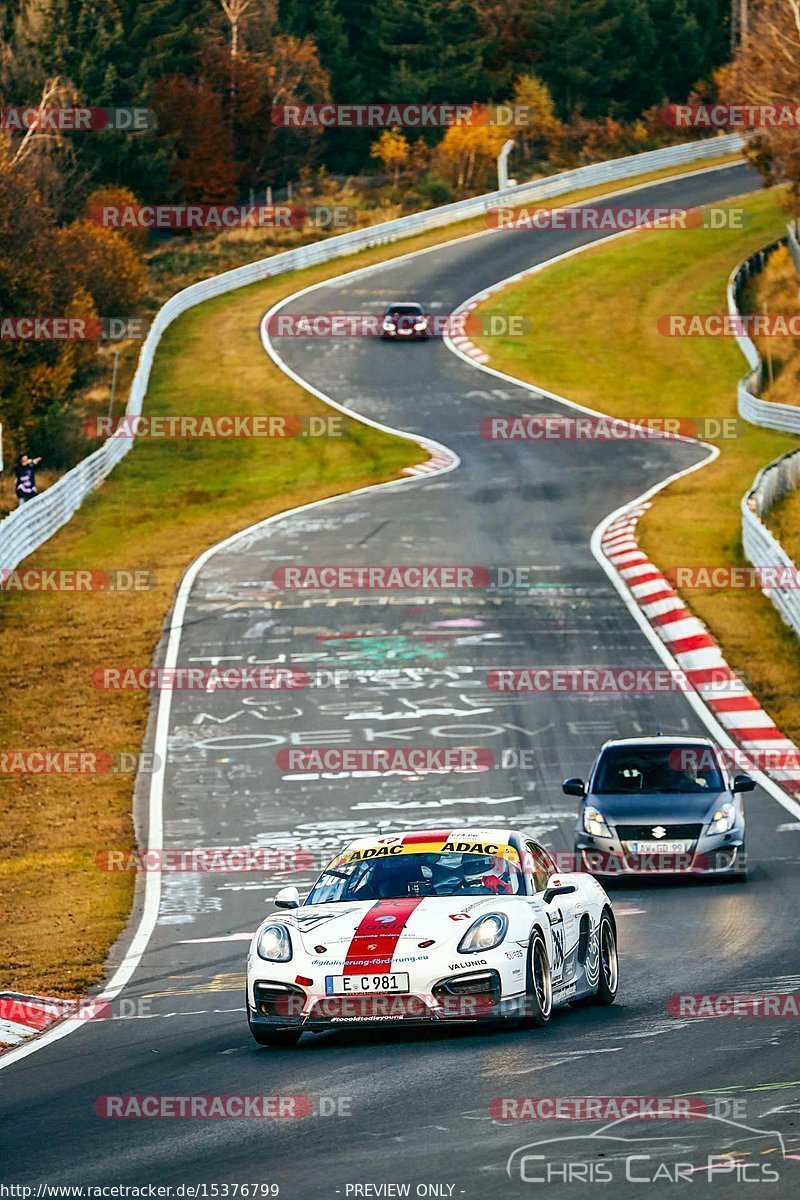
<point x="405" y="310"/>
<point x="396" y="874"/>
<point x="678" y="768"/>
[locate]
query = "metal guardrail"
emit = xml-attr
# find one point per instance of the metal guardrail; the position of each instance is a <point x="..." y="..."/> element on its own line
<point x="761" y="547"/>
<point x="768" y="413"/>
<point x="24" y="530"/>
<point x="775" y="481"/>
<point x="793" y="241"/>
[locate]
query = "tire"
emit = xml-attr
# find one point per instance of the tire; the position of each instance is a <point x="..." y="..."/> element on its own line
<point x="275" y="1037"/>
<point x="539" y="986"/>
<point x="608" y="979"/>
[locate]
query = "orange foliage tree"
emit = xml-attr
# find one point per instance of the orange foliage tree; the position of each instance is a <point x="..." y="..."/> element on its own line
<point x="766" y="71"/>
<point x="191" y="112"/>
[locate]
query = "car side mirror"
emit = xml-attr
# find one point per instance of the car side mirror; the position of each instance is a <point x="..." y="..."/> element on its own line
<point x="743" y="783"/>
<point x="287" y="897"/>
<point x="574" y="787"/>
<point x="558" y="889"/>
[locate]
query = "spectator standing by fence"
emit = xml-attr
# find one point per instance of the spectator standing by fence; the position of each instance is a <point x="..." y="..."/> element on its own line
<point x="26" y="480"/>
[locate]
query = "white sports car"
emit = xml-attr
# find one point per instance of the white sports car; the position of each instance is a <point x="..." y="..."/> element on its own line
<point x="443" y="925"/>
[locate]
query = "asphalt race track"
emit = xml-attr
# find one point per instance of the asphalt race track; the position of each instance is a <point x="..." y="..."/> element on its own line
<point x="410" y="1107"/>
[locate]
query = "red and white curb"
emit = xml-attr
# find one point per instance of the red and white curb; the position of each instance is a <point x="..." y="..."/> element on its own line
<point x="460" y="340"/>
<point x="696" y="652"/>
<point x="21" y="1016"/>
<point x="439" y="461"/>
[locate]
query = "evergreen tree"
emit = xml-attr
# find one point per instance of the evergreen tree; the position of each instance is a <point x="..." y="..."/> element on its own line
<point x="633" y="79"/>
<point x="429" y="52"/>
<point x="114" y="53"/>
<point x="323" y="22"/>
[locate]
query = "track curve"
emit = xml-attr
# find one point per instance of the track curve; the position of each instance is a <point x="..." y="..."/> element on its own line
<point x="419" y="1103"/>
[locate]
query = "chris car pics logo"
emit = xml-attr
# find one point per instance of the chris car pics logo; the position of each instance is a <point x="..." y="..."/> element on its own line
<point x="706" y="1149"/>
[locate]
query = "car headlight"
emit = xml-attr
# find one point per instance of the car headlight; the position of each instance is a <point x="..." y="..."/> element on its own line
<point x="484" y="934"/>
<point x="419" y="326"/>
<point x="388" y="327"/>
<point x="594" y="822"/>
<point x="723" y="819"/>
<point x="274" y="944"/>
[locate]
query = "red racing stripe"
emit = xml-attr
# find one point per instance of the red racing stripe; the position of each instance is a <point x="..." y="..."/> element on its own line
<point x="375" y="939"/>
<point x="415" y="839"/>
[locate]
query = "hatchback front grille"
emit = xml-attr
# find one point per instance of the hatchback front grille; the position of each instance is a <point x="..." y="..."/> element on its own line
<point x="644" y="833"/>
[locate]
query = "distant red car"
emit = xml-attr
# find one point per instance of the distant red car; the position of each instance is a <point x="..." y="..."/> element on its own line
<point x="406" y="321"/>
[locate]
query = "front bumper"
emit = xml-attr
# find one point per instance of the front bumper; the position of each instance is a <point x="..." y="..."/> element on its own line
<point x="710" y="854"/>
<point x="405" y="335"/>
<point x="279" y="1006"/>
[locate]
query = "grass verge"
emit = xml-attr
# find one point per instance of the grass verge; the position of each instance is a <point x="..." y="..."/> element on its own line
<point x="595" y="340"/>
<point x="161" y="507"/>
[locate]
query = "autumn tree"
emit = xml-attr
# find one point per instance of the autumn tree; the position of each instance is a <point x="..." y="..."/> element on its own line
<point x="47" y="271"/>
<point x="393" y="150"/>
<point x="27" y="381"/>
<point x="101" y="262"/>
<point x="191" y="112"/>
<point x="766" y="71"/>
<point x="285" y="70"/>
<point x="467" y="155"/>
<point x="540" y="128"/>
<point x="120" y="199"/>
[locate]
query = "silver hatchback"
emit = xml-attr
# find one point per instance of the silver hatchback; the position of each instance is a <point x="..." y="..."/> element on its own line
<point x="660" y="805"/>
